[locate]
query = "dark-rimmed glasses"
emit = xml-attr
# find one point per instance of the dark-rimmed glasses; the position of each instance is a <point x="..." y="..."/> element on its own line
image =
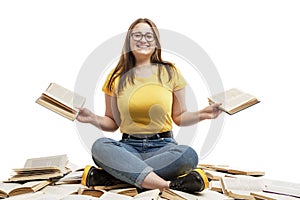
<point x="138" y="36"/>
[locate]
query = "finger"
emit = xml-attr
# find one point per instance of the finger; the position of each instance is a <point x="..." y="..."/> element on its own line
<point x="216" y="105"/>
<point x="80" y="109"/>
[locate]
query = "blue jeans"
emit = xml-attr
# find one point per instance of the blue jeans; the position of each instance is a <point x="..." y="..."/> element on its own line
<point x="131" y="160"/>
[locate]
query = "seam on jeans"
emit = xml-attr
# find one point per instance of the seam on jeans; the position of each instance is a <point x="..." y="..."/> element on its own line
<point x="142" y="176"/>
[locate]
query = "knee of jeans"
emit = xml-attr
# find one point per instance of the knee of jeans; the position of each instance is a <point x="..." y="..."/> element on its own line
<point x="191" y="156"/>
<point x="99" y="144"/>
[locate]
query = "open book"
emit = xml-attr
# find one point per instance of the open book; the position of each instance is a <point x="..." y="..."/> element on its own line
<point x="74" y="177"/>
<point x="170" y="194"/>
<point x="43" y="168"/>
<point x="282" y="188"/>
<point x="126" y="191"/>
<point x="125" y="194"/>
<point x="61" y="100"/>
<point x="233" y="100"/>
<point x="229" y="170"/>
<point x="253" y="188"/>
<point x="12" y="189"/>
<point x="61" y="191"/>
<point x="241" y="187"/>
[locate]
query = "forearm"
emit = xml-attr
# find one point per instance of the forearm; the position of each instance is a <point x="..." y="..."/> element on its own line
<point x="187" y="118"/>
<point x="182" y="117"/>
<point x="105" y="123"/>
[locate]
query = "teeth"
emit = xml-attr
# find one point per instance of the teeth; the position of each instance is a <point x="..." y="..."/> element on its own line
<point x="142" y="46"/>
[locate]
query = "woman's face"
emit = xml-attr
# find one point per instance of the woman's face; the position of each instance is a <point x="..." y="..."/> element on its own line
<point x="142" y="41"/>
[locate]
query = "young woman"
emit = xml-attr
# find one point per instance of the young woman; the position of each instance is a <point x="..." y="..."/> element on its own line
<point x="144" y="95"/>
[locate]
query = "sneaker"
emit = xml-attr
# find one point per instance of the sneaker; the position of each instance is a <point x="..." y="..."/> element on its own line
<point x="93" y="176"/>
<point x="195" y="181"/>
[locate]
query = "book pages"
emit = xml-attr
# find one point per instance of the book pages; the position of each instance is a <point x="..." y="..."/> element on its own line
<point x="65" y="96"/>
<point x="233" y="100"/>
<point x="61" y="101"/>
<point x="282" y="187"/>
<point x="240" y="187"/>
<point x="59" y="161"/>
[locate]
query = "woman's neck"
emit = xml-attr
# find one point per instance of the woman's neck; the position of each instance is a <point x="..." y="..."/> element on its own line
<point x="144" y="70"/>
<point x="142" y="62"/>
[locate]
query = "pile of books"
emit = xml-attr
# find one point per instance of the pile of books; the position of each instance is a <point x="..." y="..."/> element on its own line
<point x="36" y="174"/>
<point x="53" y="178"/>
<point x="247" y="184"/>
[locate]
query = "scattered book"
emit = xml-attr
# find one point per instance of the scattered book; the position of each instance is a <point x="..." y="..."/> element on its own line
<point x="150" y="194"/>
<point x="112" y="187"/>
<point x="213" y="167"/>
<point x="245" y="172"/>
<point x="212" y="195"/>
<point x="205" y="194"/>
<point x="229" y="170"/>
<point x="233" y="100"/>
<point x="31" y="196"/>
<point x="61" y="101"/>
<point x="126" y="191"/>
<point x="241" y="187"/>
<point x="169" y="194"/>
<point x="43" y="168"/>
<point x="62" y="190"/>
<point x="120" y="195"/>
<point x="215" y="185"/>
<point x="110" y="195"/>
<point x="12" y="189"/>
<point x="91" y="192"/>
<point x="73" y="177"/>
<point x="282" y="188"/>
<point x="264" y="196"/>
<point x="78" y="197"/>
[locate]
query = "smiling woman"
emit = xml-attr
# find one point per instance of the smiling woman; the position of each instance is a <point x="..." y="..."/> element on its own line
<point x="144" y="94"/>
<point x="142" y="43"/>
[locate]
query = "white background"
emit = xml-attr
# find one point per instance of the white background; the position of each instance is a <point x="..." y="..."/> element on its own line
<point x="255" y="46"/>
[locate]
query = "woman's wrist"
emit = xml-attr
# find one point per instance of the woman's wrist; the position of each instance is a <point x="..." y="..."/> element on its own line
<point x="202" y="115"/>
<point x="95" y="121"/>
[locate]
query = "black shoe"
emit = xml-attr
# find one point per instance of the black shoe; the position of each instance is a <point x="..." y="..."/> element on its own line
<point x="195" y="181"/>
<point x="93" y="176"/>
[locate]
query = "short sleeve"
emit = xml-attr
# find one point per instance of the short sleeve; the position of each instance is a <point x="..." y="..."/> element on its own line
<point x="105" y="87"/>
<point x="178" y="81"/>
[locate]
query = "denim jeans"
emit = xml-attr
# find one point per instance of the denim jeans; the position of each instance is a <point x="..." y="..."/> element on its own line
<point x="131" y="160"/>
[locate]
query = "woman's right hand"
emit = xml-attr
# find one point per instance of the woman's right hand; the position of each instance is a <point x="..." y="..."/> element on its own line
<point x="86" y="116"/>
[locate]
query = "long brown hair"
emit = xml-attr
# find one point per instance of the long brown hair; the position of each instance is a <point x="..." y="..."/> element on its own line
<point x="127" y="59"/>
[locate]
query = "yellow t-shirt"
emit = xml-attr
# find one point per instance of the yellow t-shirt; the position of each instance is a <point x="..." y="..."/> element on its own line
<point x="145" y="107"/>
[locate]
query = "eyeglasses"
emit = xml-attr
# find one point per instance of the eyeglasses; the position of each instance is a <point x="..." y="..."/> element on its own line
<point x="138" y="36"/>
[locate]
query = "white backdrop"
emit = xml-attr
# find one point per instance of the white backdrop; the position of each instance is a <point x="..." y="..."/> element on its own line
<point x="255" y="46"/>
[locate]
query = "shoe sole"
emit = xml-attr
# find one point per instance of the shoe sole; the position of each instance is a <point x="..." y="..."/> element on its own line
<point x="85" y="175"/>
<point x="203" y="176"/>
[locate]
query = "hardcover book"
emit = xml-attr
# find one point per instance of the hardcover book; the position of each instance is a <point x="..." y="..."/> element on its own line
<point x="233" y="100"/>
<point x="61" y="101"/>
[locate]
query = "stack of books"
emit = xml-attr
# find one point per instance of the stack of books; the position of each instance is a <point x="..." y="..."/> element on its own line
<point x="52" y="178"/>
<point x="248" y="184"/>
